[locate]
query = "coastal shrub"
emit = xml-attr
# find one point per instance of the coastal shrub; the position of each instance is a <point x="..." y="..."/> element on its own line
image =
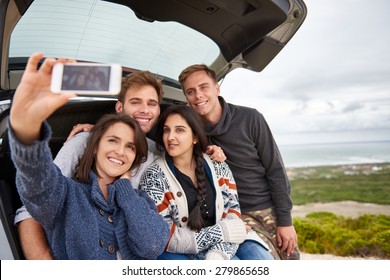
<point x="311" y="233"/>
<point x="380" y="244"/>
<point x="327" y="233"/>
<point x="314" y="248"/>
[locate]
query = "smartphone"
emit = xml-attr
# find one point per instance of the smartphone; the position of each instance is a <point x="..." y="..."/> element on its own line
<point x="86" y="78"/>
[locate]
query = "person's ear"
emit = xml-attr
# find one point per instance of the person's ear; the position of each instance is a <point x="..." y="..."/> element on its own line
<point x="217" y="88"/>
<point x="118" y="107"/>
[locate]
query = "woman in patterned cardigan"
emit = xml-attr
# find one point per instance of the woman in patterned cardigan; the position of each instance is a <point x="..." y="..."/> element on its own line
<point x="196" y="196"/>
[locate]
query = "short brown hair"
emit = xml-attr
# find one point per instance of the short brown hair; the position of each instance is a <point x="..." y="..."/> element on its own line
<point x="195" y="68"/>
<point x="139" y="79"/>
<point x="87" y="162"/>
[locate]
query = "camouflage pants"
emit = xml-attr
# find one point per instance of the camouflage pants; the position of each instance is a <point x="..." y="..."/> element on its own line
<point x="264" y="223"/>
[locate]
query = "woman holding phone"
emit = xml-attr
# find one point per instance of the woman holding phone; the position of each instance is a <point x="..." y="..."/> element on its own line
<point x="97" y="214"/>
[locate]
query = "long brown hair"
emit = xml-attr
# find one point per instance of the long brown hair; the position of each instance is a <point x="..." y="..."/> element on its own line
<point x="195" y="220"/>
<point x="87" y="162"/>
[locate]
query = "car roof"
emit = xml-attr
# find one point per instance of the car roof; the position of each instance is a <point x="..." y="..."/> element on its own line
<point x="163" y="37"/>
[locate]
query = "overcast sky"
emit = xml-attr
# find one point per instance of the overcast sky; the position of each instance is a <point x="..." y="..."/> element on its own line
<point x="331" y="83"/>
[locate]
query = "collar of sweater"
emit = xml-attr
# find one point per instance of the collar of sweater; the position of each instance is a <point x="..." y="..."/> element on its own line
<point x="98" y="197"/>
<point x="224" y="123"/>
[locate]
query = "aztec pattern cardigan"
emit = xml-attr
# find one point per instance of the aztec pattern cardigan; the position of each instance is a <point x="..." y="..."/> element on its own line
<point x="162" y="186"/>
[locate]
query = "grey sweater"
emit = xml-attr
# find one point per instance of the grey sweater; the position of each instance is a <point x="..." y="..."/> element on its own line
<point x="254" y="159"/>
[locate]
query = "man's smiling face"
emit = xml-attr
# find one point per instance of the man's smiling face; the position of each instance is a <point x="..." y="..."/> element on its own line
<point x="202" y="93"/>
<point x="142" y="105"/>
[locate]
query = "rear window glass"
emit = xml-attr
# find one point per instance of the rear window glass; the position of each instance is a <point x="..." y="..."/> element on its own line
<point x="99" y="31"/>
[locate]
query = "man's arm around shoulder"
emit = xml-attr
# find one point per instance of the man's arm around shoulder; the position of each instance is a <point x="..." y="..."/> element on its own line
<point x="33" y="240"/>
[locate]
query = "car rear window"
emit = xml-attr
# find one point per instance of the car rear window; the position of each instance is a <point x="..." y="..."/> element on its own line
<point x="99" y="31"/>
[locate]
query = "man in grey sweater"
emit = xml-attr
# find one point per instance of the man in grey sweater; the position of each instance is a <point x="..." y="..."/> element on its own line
<point x="253" y="156"/>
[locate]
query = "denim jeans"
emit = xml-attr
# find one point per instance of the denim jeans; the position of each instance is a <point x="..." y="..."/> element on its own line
<point x="251" y="250"/>
<point x="172" y="256"/>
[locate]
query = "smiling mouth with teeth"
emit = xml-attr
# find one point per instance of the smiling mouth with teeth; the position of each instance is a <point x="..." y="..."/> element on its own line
<point x="201" y="103"/>
<point x="114" y="160"/>
<point x="142" y="120"/>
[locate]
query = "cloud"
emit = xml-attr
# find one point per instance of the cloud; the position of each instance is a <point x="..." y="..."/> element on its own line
<point x="352" y="107"/>
<point x="332" y="76"/>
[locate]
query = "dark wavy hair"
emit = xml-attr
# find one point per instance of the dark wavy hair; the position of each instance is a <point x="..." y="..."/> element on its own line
<point x="195" y="220"/>
<point x="87" y="162"/>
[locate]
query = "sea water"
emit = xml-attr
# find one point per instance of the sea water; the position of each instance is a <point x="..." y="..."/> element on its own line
<point x="335" y="153"/>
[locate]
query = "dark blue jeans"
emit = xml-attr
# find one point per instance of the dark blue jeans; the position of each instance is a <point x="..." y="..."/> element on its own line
<point x="173" y="256"/>
<point x="251" y="250"/>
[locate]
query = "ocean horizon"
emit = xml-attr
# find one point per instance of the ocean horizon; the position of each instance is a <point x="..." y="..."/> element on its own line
<point x="321" y="154"/>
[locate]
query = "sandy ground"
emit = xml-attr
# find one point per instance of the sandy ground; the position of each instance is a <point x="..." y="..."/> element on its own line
<point x="305" y="256"/>
<point x="343" y="208"/>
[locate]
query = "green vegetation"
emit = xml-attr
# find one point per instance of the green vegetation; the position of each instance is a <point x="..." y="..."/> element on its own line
<point x="362" y="183"/>
<point x="326" y="233"/>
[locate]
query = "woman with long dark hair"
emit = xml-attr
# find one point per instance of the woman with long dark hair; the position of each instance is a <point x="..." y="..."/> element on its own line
<point x="196" y="196"/>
